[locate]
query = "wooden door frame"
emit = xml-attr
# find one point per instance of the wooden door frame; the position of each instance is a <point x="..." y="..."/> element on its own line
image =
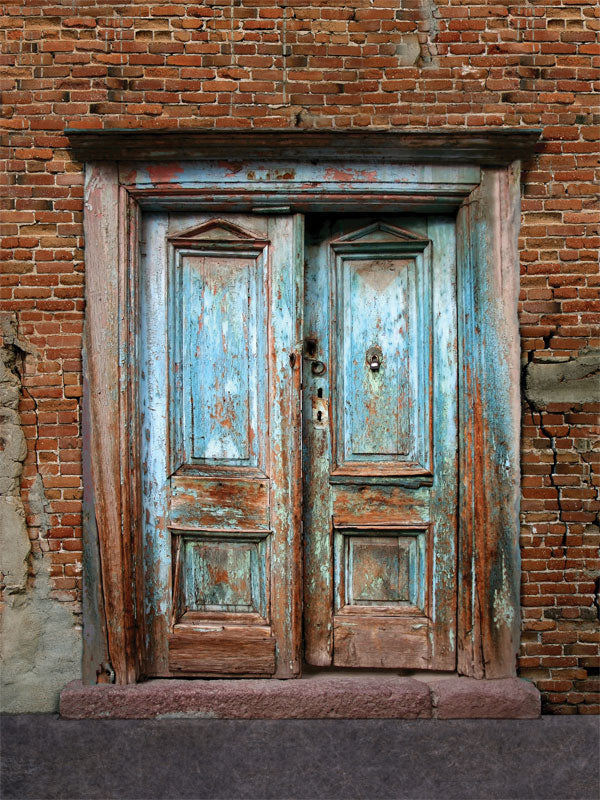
<point x="473" y="174"/>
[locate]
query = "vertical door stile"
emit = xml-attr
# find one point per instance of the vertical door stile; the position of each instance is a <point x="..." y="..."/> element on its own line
<point x="286" y="301"/>
<point x="316" y="447"/>
<point x="444" y="493"/>
<point x="154" y="413"/>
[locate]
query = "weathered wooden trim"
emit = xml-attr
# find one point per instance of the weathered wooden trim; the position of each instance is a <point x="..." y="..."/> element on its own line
<point x="95" y="658"/>
<point x="490" y="146"/>
<point x="235" y="650"/>
<point x="305" y="186"/>
<point x="104" y="303"/>
<point x="489" y="422"/>
<point x="285" y="355"/>
<point x="131" y="216"/>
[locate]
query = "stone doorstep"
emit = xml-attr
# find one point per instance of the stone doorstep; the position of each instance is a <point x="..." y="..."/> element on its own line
<point x="328" y="697"/>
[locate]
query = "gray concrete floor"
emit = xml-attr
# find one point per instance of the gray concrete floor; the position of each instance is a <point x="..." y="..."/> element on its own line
<point x="553" y="757"/>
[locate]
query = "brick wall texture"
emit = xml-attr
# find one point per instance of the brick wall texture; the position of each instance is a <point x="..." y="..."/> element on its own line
<point x="336" y="64"/>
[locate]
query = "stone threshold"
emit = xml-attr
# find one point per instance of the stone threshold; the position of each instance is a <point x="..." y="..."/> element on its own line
<point x="322" y="697"/>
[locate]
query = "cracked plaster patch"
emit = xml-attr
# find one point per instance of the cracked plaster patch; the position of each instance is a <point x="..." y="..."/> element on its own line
<point x="575" y="381"/>
<point x="40" y="644"/>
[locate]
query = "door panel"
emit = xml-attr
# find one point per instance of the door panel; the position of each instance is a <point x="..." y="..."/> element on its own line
<point x="380" y="567"/>
<point x="221" y="311"/>
<point x="381" y="298"/>
<point x="380" y="460"/>
<point x="223" y="376"/>
<point x="218" y="346"/>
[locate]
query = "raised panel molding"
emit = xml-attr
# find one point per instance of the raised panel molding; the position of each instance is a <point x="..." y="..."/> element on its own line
<point x="382" y="568"/>
<point x="219" y="366"/>
<point x="382" y="295"/>
<point x="220" y="572"/>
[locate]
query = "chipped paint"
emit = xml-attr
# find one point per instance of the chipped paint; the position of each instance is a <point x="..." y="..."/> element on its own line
<point x="347" y="175"/>
<point x="489" y="559"/>
<point x="503" y="602"/>
<point x="231" y="167"/>
<point x="165" y="173"/>
<point x="216" y="319"/>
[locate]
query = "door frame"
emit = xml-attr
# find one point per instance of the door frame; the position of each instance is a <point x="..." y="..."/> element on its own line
<point x="475" y="174"/>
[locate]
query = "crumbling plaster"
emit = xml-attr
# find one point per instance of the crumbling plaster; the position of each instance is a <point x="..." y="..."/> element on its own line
<point x="572" y="380"/>
<point x="40" y="640"/>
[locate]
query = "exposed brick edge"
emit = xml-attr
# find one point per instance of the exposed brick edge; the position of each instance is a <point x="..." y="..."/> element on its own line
<point x="315" y="698"/>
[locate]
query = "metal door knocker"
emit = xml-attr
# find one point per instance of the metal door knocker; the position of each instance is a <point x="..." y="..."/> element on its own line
<point x="374" y="358"/>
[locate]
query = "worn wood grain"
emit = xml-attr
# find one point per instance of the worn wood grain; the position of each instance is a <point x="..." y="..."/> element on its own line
<point x="285" y="349"/>
<point x="228" y="344"/>
<point x="444" y="434"/>
<point x="400" y="425"/>
<point x="154" y="449"/>
<point x="95" y="657"/>
<point x="381" y="642"/>
<point x="488" y="390"/>
<point x="475" y="146"/>
<point x="221" y="651"/>
<point x="131" y="466"/>
<point x="489" y="619"/>
<point x="221" y="573"/>
<point x="218" y="503"/>
<point x="103" y="355"/>
<point x="316" y="452"/>
<point x="217" y="346"/>
<point x="315" y="186"/>
<point x="385" y="567"/>
<point x="381" y="310"/>
<point x="375" y="505"/>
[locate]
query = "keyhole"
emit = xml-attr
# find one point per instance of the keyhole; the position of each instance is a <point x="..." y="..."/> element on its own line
<point x="319" y="416"/>
<point x="319" y="393"/>
<point x="311" y="348"/>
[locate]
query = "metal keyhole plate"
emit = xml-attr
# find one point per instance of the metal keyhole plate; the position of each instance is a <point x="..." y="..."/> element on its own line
<point x="320" y="412"/>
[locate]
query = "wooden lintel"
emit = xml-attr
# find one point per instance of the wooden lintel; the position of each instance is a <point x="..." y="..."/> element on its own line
<point x="487" y="146"/>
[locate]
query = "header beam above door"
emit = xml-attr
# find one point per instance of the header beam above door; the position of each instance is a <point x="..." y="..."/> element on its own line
<point x="482" y="146"/>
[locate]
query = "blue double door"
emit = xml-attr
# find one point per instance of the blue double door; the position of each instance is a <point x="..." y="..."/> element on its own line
<point x="298" y="434"/>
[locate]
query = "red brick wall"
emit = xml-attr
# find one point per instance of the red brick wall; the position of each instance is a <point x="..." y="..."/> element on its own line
<point x="357" y="63"/>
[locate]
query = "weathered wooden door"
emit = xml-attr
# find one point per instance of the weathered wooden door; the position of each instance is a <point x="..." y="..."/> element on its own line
<point x="380" y="443"/>
<point x="219" y="386"/>
<point x="223" y="351"/>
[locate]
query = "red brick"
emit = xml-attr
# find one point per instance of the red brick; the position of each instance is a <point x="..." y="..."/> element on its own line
<point x="492" y="64"/>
